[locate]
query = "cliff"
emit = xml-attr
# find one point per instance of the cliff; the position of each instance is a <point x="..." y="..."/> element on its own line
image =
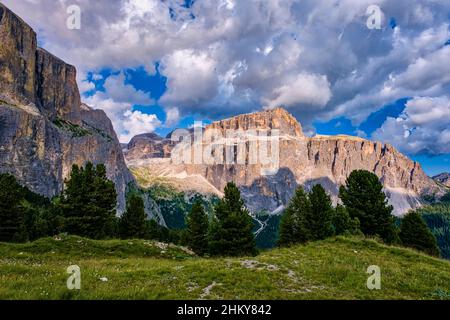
<point x="44" y="127"/>
<point x="302" y="160"/>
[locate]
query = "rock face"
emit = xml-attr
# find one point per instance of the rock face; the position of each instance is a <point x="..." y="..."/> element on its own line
<point x="148" y="146"/>
<point x="327" y="160"/>
<point x="44" y="127"/>
<point x="443" y="178"/>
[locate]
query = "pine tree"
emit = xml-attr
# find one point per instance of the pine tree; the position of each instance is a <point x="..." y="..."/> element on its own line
<point x="293" y="226"/>
<point x="319" y="221"/>
<point x="133" y="223"/>
<point x="231" y="230"/>
<point x="12" y="226"/>
<point x="88" y="202"/>
<point x="414" y="233"/>
<point x="197" y="229"/>
<point x="364" y="199"/>
<point x="343" y="224"/>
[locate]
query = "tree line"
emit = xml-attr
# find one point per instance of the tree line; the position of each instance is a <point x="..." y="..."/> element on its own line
<point x="365" y="210"/>
<point x="87" y="207"/>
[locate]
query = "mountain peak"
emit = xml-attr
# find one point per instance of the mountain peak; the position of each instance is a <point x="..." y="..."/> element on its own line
<point x="278" y="118"/>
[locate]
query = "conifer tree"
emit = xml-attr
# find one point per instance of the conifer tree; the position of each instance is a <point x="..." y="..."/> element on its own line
<point x="364" y="199"/>
<point x="12" y="226"/>
<point x="293" y="226"/>
<point x="197" y="229"/>
<point x="88" y="202"/>
<point x="343" y="224"/>
<point x="231" y="230"/>
<point x="133" y="222"/>
<point x="319" y="221"/>
<point x="414" y="233"/>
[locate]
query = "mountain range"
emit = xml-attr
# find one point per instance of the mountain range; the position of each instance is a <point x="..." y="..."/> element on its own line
<point x="45" y="128"/>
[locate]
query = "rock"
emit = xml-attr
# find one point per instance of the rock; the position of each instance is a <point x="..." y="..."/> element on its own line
<point x="443" y="178"/>
<point x="44" y="127"/>
<point x="305" y="161"/>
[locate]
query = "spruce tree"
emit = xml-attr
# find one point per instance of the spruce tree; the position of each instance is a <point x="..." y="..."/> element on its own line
<point x="231" y="230"/>
<point x="319" y="221"/>
<point x="133" y="222"/>
<point x="88" y="202"/>
<point x="343" y="224"/>
<point x="197" y="229"/>
<point x="364" y="199"/>
<point x="414" y="233"/>
<point x="12" y="225"/>
<point x="293" y="226"/>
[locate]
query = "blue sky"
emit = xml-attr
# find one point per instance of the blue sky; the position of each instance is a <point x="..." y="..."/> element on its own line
<point x="155" y="65"/>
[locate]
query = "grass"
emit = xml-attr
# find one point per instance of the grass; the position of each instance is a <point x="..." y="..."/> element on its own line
<point x="138" y="269"/>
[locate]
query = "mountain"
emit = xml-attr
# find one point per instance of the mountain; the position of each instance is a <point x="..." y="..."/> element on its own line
<point x="302" y="161"/>
<point x="443" y="178"/>
<point x="44" y="127"/>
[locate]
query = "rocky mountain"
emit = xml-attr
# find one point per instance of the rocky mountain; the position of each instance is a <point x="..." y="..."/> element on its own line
<point x="443" y="178"/>
<point x="44" y="127"/>
<point x="301" y="161"/>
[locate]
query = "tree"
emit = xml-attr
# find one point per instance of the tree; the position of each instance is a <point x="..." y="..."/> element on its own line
<point x="414" y="233"/>
<point x="319" y="221"/>
<point x="133" y="223"/>
<point x="12" y="224"/>
<point x="446" y="198"/>
<point x="231" y="230"/>
<point x="293" y="226"/>
<point x="197" y="229"/>
<point x="364" y="199"/>
<point x="88" y="202"/>
<point x="343" y="224"/>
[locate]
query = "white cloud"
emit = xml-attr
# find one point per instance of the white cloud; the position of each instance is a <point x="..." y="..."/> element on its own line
<point x="424" y="127"/>
<point x="303" y="89"/>
<point x="315" y="56"/>
<point x="119" y="91"/>
<point x="136" y="123"/>
<point x="117" y="101"/>
<point x="192" y="78"/>
<point x="172" y="117"/>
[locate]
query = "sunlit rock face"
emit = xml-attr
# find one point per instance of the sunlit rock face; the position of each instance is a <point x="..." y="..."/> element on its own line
<point x="301" y="160"/>
<point x="443" y="178"/>
<point x="44" y="127"/>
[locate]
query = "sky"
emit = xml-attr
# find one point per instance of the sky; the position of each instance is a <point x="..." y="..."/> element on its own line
<point x="338" y="66"/>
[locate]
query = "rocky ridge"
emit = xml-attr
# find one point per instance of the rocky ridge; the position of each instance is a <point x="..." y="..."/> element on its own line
<point x="44" y="127"/>
<point x="302" y="161"/>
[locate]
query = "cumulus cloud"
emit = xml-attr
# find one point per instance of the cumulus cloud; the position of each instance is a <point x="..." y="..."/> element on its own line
<point x="117" y="101"/>
<point x="136" y="122"/>
<point x="423" y="128"/>
<point x="303" y="89"/>
<point x="223" y="57"/>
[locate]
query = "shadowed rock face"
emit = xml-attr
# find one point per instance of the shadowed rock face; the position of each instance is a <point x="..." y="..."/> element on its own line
<point x="44" y="128"/>
<point x="305" y="161"/>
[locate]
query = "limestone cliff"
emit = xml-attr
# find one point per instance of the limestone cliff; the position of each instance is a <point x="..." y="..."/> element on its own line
<point x="44" y="127"/>
<point x="302" y="161"/>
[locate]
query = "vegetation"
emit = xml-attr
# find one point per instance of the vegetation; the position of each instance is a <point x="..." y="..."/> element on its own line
<point x="88" y="203"/>
<point x="12" y="216"/>
<point x="311" y="216"/>
<point x="364" y="199"/>
<point x="175" y="205"/>
<point x="231" y="228"/>
<point x="75" y="129"/>
<point x="334" y="268"/>
<point x="133" y="224"/>
<point x="414" y="233"/>
<point x="197" y="229"/>
<point x="437" y="218"/>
